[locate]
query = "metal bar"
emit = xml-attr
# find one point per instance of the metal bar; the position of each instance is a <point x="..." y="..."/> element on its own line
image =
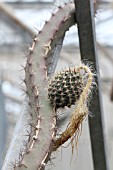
<point x="85" y="22"/>
<point x="111" y="92"/>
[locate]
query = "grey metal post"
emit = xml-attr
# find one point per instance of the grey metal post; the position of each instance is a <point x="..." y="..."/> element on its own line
<point x="85" y="23"/>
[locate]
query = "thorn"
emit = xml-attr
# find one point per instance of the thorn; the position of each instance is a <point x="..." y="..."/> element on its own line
<point x="39" y="32"/>
<point x="25" y="91"/>
<point x="47" y="48"/>
<point x="53" y="127"/>
<point x="36" y="29"/>
<point x="29" y="63"/>
<point x="53" y="14"/>
<point x="31" y="49"/>
<point x="37" y="107"/>
<point x="32" y="125"/>
<point x="35" y="39"/>
<point x="57" y="30"/>
<point x="31" y="74"/>
<point x="24" y="68"/>
<point x="60" y="7"/>
<point x="35" y="138"/>
<point x="12" y="164"/>
<point x="26" y="46"/>
<point x="36" y="97"/>
<point x="22" y="81"/>
<point x="42" y="166"/>
<point x="51" y="39"/>
<point x="30" y="113"/>
<point x="28" y="133"/>
<point x="39" y="117"/>
<point x="38" y="128"/>
<point x="35" y="91"/>
<point x="46" y="22"/>
<point x="20" y="156"/>
<point x="24" y="165"/>
<point x="45" y="57"/>
<point x="24" y="142"/>
<point x="45" y="68"/>
<point x="30" y="104"/>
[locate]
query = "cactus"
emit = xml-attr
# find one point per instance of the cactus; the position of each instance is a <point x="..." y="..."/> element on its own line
<point x="66" y="88"/>
<point x="81" y="109"/>
<point x="41" y="118"/>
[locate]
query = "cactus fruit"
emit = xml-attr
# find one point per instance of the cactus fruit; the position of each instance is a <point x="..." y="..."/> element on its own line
<point x="66" y="88"/>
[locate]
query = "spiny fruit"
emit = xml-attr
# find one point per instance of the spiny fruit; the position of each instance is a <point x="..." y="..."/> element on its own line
<point x="66" y="87"/>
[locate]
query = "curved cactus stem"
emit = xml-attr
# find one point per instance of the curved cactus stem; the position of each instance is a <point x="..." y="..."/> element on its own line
<point x="34" y="134"/>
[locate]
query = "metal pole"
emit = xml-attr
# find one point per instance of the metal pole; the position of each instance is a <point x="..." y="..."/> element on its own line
<point x="85" y="23"/>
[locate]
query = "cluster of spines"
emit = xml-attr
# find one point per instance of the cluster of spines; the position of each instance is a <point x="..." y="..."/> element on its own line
<point x="32" y="90"/>
<point x="66" y="88"/>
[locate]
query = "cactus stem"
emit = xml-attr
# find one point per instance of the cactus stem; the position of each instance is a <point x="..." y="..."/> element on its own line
<point x="37" y="110"/>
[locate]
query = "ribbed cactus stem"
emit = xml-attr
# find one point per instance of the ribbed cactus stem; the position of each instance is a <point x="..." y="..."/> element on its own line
<point x="42" y="118"/>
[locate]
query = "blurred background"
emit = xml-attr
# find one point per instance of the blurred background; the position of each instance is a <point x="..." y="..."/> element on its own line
<point x="19" y="19"/>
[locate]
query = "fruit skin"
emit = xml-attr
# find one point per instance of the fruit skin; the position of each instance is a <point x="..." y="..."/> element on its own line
<point x="66" y="88"/>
